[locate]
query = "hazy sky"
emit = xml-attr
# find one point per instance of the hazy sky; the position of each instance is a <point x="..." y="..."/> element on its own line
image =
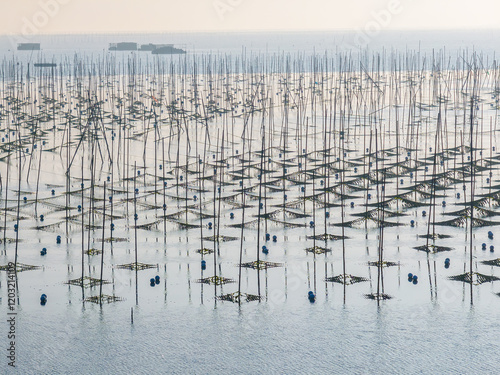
<point x="97" y="16"/>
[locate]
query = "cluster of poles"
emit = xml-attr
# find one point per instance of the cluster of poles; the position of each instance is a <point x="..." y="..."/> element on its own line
<point x="127" y="148"/>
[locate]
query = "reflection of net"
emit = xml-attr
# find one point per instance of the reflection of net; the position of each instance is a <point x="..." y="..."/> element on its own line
<point x="87" y="282"/>
<point x="217" y="280"/>
<point x="260" y="265"/>
<point x="20" y="267"/>
<point x="346" y="279"/>
<point x="433" y="248"/>
<point x="475" y="278"/>
<point x="494" y="262"/>
<point x="239" y="297"/>
<point x="318" y="250"/>
<point x="136" y="266"/>
<point x="103" y="299"/>
<point x="378" y="296"/>
<point x="383" y="264"/>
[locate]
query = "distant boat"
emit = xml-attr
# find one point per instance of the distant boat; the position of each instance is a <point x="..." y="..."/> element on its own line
<point x="167" y="50"/>
<point x="28" y="47"/>
<point x="45" y="65"/>
<point x="123" y="46"/>
<point x="151" y="47"/>
<point x="156" y="49"/>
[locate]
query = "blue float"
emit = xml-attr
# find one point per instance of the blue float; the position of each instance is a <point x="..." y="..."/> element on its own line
<point x="311" y="296"/>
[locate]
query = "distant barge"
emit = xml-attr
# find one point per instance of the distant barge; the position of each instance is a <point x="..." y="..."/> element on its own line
<point x="28" y="47"/>
<point x="156" y="49"/>
<point x="45" y="65"/>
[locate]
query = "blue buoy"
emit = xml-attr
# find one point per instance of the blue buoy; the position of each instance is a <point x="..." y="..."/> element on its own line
<point x="41" y="217"/>
<point x="79" y="208"/>
<point x="210" y="225"/>
<point x="424" y="213"/>
<point x="490" y="235"/>
<point x="195" y="198"/>
<point x="164" y="207"/>
<point x="136" y="217"/>
<point x="136" y="190"/>
<point x="157" y="279"/>
<point x="352" y="204"/>
<point x="275" y="238"/>
<point x="58" y="239"/>
<point x="43" y="252"/>
<point x="401" y="181"/>
<point x="43" y="299"/>
<point x="25" y="199"/>
<point x="268" y="237"/>
<point x="412" y="223"/>
<point x="369" y="196"/>
<point x="53" y="192"/>
<point x="152" y="282"/>
<point x="327" y="214"/>
<point x="112" y="226"/>
<point x="492" y="248"/>
<point x="311" y="296"/>
<point x="285" y="197"/>
<point x="231" y="215"/>
<point x="311" y="224"/>
<point x="443" y="203"/>
<point x="265" y="250"/>
<point x="458" y="195"/>
<point x="302" y="189"/>
<point x="483" y="246"/>
<point x="410" y="277"/>
<point x="203" y="265"/>
<point x="415" y="278"/>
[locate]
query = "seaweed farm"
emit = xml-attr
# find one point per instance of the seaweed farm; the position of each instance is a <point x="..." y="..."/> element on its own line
<point x="211" y="206"/>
